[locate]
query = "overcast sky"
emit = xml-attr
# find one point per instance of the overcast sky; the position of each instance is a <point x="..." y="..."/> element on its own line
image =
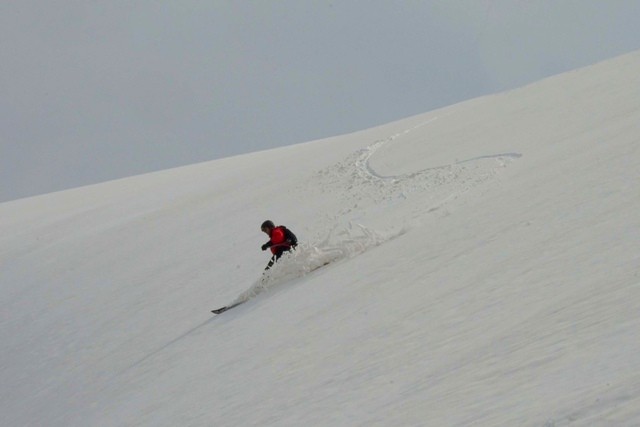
<point x="101" y="89"/>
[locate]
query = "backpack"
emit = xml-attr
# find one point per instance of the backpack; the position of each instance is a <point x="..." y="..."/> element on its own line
<point x="288" y="234"/>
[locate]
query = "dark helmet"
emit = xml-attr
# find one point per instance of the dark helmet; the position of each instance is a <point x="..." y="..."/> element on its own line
<point x="267" y="224"/>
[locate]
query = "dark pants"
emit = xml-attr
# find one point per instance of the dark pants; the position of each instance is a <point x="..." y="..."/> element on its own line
<point x="277" y="256"/>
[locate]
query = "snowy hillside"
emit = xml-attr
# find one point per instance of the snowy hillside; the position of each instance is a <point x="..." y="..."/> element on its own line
<point x="483" y="270"/>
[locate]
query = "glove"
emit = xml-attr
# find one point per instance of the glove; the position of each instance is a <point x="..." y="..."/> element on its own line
<point x="265" y="246"/>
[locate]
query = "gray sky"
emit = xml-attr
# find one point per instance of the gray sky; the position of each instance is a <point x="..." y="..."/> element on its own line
<point x="101" y="89"/>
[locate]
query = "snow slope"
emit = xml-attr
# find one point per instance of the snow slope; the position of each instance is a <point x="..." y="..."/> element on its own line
<point x="483" y="271"/>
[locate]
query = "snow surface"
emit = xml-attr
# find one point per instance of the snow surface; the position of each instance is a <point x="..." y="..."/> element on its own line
<point x="483" y="270"/>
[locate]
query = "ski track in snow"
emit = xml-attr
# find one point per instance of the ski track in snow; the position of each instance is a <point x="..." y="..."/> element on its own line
<point x="339" y="244"/>
<point x="365" y="194"/>
<point x="364" y="190"/>
<point x="621" y="400"/>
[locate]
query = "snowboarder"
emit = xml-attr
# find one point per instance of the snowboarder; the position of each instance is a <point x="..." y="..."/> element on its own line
<point x="281" y="240"/>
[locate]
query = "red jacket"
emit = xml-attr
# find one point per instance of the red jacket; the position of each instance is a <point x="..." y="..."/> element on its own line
<point x="278" y="240"/>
